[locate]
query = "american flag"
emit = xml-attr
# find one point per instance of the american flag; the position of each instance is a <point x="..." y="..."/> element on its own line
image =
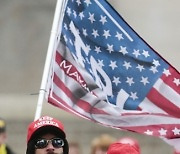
<point x="105" y="72"/>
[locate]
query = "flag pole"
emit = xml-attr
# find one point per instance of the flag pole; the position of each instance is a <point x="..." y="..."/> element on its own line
<point x="53" y="37"/>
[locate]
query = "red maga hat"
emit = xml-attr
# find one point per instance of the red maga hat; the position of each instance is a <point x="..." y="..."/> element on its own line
<point x="131" y="141"/>
<point x="43" y="124"/>
<point x="119" y="148"/>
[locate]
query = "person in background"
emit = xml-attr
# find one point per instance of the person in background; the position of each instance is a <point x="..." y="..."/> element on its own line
<point x="120" y="148"/>
<point x="74" y="148"/>
<point x="99" y="145"/>
<point x="46" y="135"/>
<point x="4" y="148"/>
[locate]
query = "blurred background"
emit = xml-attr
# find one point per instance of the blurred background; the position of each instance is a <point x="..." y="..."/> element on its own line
<point x="25" y="28"/>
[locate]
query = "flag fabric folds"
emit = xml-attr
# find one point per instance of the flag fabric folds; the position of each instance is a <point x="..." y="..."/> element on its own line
<point x="105" y="72"/>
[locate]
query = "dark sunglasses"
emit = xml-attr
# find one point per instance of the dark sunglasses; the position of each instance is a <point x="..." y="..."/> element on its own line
<point x="42" y="143"/>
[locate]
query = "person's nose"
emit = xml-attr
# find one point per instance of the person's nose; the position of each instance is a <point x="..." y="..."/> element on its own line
<point x="50" y="147"/>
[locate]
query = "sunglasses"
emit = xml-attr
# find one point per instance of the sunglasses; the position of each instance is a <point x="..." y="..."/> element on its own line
<point x="42" y="143"/>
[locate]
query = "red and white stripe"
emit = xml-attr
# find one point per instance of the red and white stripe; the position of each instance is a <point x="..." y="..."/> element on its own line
<point x="164" y="97"/>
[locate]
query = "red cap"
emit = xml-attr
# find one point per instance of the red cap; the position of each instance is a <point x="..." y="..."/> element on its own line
<point x="131" y="141"/>
<point x="43" y="123"/>
<point x="119" y="148"/>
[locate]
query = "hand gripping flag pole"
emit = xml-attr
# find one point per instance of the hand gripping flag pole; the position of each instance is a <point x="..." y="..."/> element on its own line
<point x="51" y="48"/>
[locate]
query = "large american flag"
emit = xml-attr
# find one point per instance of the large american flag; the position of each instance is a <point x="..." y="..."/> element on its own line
<point x="105" y="72"/>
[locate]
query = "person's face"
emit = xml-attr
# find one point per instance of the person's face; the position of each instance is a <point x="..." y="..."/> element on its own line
<point x="100" y="151"/>
<point x="2" y="138"/>
<point x="73" y="150"/>
<point x="49" y="149"/>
